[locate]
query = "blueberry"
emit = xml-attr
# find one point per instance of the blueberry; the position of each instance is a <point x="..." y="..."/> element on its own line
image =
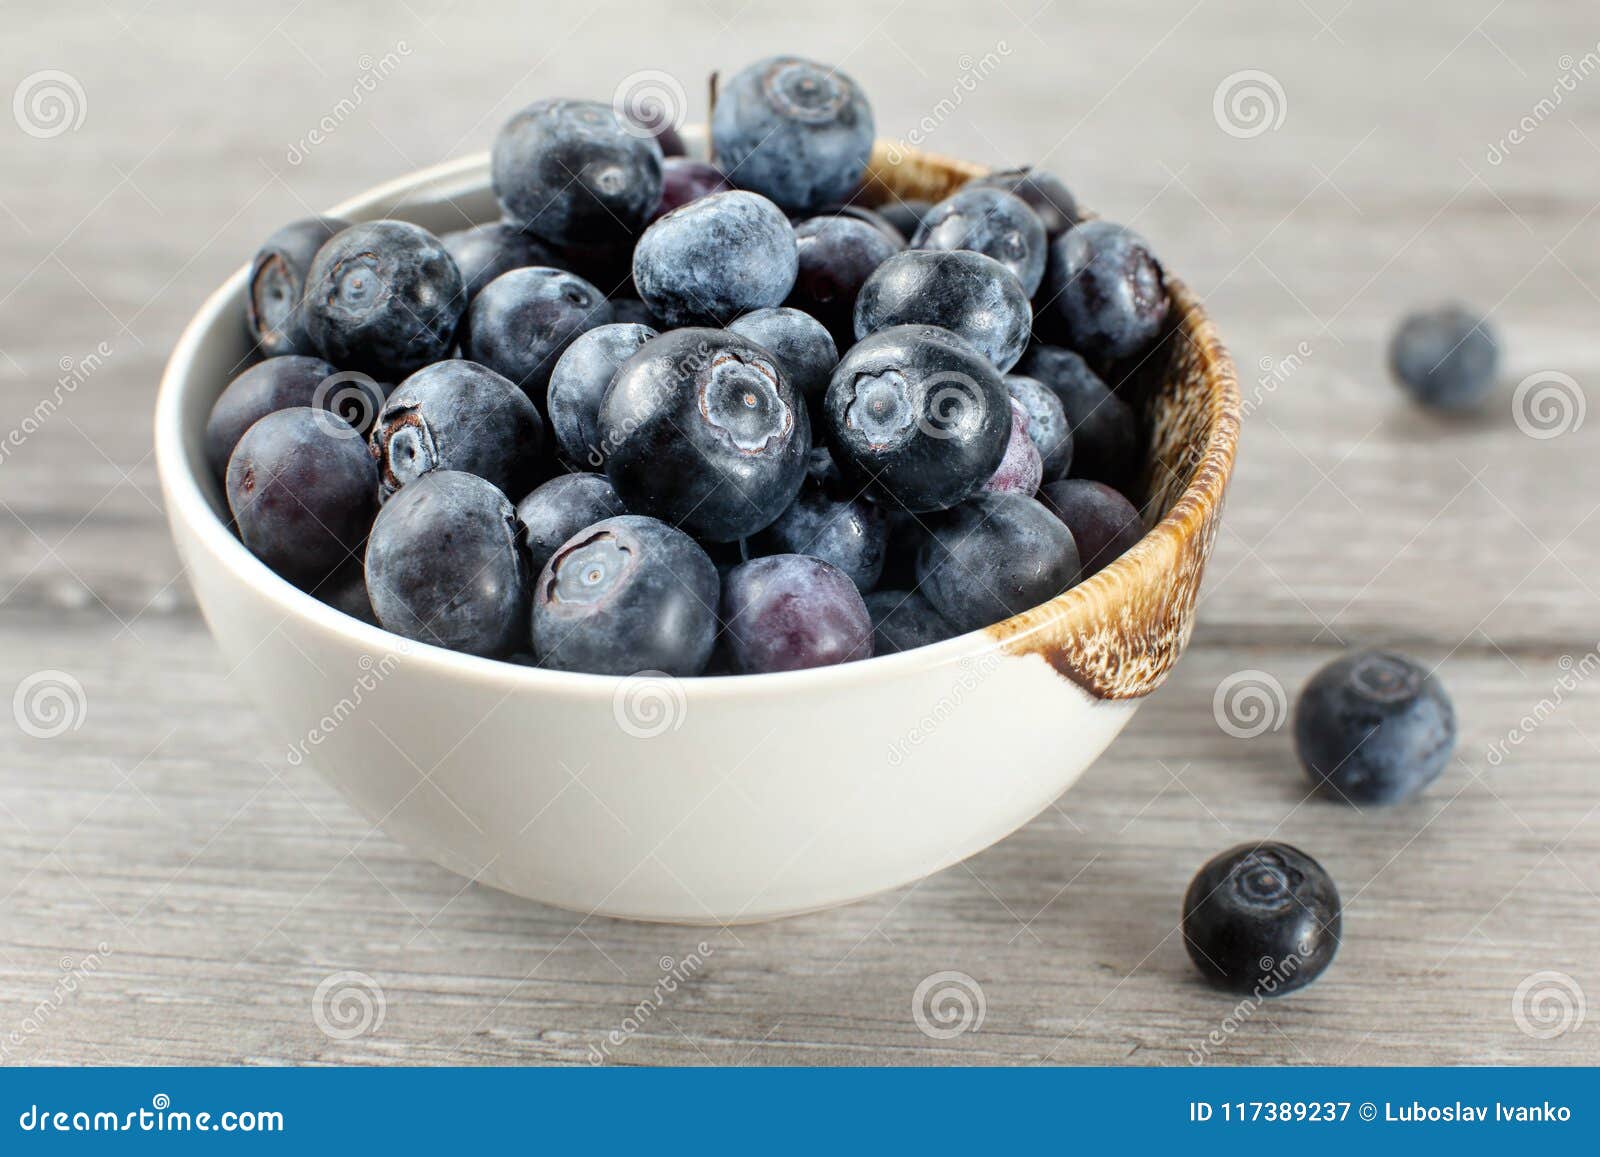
<point x="458" y="415"/>
<point x="904" y="621"/>
<point x="632" y="311"/>
<point x="917" y="416"/>
<point x="484" y="252"/>
<point x="1043" y="192"/>
<point x="443" y="566"/>
<point x="1106" y="291"/>
<point x="1105" y="433"/>
<point x="794" y="131"/>
<point x="703" y="429"/>
<point x="801" y="344"/>
<point x="281" y="382"/>
<point x="831" y="521"/>
<point x="991" y="222"/>
<point x="569" y="171"/>
<point x="579" y="382"/>
<point x="787" y="612"/>
<point x="905" y="216"/>
<point x="992" y="557"/>
<point x="524" y="320"/>
<point x="1261" y="919"/>
<point x="655" y="119"/>
<point x="1445" y="357"/>
<point x="557" y="510"/>
<point x="626" y="595"/>
<point x="278" y="282"/>
<point x="683" y="180"/>
<point x="1047" y="422"/>
<point x="866" y="216"/>
<point x="1104" y="524"/>
<point x="714" y="259"/>
<point x="973" y="296"/>
<point x="346" y="590"/>
<point x="302" y="493"/>
<point x="385" y="298"/>
<point x="1373" y="728"/>
<point x="836" y="256"/>
<point x="1021" y="469"/>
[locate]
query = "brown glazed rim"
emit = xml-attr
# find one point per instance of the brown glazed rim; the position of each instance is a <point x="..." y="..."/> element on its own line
<point x="1119" y="633"/>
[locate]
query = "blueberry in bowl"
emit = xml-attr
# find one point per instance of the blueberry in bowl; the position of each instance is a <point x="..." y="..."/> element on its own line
<point x="761" y="794"/>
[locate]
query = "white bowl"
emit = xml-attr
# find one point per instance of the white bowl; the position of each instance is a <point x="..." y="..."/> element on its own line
<point x="713" y="800"/>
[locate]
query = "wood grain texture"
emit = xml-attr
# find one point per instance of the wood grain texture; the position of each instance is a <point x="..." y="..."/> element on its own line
<point x="226" y="886"/>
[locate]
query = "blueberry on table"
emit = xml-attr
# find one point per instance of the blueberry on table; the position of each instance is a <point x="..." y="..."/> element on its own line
<point x="458" y="415"/>
<point x="992" y="222"/>
<point x="523" y="321"/>
<point x="797" y="132"/>
<point x="385" y="298"/>
<point x="836" y="256"/>
<point x="917" y="416"/>
<point x="830" y="520"/>
<point x="1021" y="469"/>
<point x="714" y="259"/>
<point x="277" y="384"/>
<point x="1106" y="291"/>
<point x="800" y="342"/>
<point x="704" y="430"/>
<point x="1445" y="358"/>
<point x="1262" y="919"/>
<point x="992" y="557"/>
<point x="555" y="511"/>
<point x="787" y="612"/>
<point x="1042" y="192"/>
<point x="278" y="282"/>
<point x="484" y="252"/>
<point x="683" y="180"/>
<point x="972" y="296"/>
<point x="443" y="566"/>
<point x="1373" y="728"/>
<point x="1104" y="524"/>
<point x="1105" y="432"/>
<point x="568" y="171"/>
<point x="1047" y="422"/>
<point x="626" y="595"/>
<point x="579" y="382"/>
<point x="904" y="621"/>
<point x="302" y="492"/>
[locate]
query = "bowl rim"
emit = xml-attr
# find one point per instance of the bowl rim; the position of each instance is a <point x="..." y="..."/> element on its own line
<point x="187" y="504"/>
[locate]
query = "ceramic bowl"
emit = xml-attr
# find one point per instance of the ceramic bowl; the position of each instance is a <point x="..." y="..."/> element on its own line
<point x="712" y="800"/>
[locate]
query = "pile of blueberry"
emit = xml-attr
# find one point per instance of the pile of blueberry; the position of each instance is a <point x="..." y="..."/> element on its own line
<point x="695" y="417"/>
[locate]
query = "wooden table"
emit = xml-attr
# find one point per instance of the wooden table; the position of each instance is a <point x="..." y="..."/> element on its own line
<point x="225" y="887"/>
